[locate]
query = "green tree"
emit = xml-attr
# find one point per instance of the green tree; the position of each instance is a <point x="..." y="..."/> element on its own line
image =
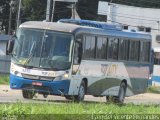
<point x="36" y="10"/>
<point x="33" y="10"/>
<point x="4" y="14"/>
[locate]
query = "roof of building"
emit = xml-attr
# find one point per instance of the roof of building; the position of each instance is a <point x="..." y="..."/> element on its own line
<point x="4" y="37"/>
<point x="156" y="49"/>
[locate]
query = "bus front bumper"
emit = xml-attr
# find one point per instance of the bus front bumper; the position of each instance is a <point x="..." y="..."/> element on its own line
<point x="60" y="87"/>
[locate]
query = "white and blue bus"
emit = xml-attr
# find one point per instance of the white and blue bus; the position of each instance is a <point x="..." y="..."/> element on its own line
<point x="156" y="66"/>
<point x="75" y="58"/>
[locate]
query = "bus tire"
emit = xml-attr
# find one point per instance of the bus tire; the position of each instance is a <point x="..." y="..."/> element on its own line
<point x="28" y="94"/>
<point x="68" y="97"/>
<point x="81" y="93"/>
<point x="121" y="93"/>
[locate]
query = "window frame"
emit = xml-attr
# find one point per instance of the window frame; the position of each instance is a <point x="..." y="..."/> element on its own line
<point x="149" y="51"/>
<point x="84" y="47"/>
<point x="106" y="47"/>
<point x="124" y="39"/>
<point x="113" y="38"/>
<point x="129" y="57"/>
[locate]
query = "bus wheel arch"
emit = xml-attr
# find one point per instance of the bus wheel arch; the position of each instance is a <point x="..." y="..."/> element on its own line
<point x="125" y="81"/>
<point x="121" y="93"/>
<point x="82" y="91"/>
<point x="86" y="84"/>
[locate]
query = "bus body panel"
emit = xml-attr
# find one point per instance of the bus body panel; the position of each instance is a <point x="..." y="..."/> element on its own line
<point x="24" y="78"/>
<point x="51" y="88"/>
<point x="104" y="77"/>
<point x="156" y="75"/>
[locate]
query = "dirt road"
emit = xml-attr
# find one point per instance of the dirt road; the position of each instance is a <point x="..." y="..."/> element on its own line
<point x="7" y="95"/>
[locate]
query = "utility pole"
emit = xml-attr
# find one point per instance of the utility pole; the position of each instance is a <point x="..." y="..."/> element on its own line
<point x="48" y="11"/>
<point x="53" y="8"/>
<point x="109" y="12"/>
<point x="19" y="11"/>
<point x="73" y="11"/>
<point x="10" y="16"/>
<point x="73" y="8"/>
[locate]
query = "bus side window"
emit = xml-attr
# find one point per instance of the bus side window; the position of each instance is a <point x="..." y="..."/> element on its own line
<point x="78" y="52"/>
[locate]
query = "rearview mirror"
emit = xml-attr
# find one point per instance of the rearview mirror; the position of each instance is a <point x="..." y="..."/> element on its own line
<point x="10" y="46"/>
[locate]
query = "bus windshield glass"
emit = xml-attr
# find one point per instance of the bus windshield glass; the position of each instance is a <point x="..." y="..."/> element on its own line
<point x="42" y="49"/>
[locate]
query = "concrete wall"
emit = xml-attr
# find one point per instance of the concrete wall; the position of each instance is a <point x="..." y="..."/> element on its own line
<point x="3" y="45"/>
<point x="5" y="64"/>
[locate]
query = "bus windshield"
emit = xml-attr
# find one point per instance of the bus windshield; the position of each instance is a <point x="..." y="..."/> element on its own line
<point x="42" y="49"/>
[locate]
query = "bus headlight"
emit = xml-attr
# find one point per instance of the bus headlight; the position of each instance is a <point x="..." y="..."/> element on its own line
<point x="17" y="74"/>
<point x="63" y="77"/>
<point x="66" y="76"/>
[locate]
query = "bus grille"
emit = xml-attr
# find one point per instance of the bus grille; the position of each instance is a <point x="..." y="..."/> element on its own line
<point x="38" y="88"/>
<point x="35" y="77"/>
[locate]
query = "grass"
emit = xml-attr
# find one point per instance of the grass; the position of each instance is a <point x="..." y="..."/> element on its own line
<point x="74" y="111"/>
<point x="4" y="79"/>
<point x="154" y="89"/>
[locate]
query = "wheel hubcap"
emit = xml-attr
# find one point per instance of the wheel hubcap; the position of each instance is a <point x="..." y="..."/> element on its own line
<point x="81" y="92"/>
<point x="121" y="94"/>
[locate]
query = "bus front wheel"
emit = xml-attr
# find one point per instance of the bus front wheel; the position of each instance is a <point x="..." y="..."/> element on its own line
<point x="81" y="92"/>
<point x="28" y="94"/>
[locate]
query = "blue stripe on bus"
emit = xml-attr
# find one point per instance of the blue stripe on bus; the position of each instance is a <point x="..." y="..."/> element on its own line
<point x="54" y="87"/>
<point x="156" y="78"/>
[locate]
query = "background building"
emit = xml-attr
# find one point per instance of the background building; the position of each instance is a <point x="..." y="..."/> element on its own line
<point x="140" y="19"/>
<point x="4" y="59"/>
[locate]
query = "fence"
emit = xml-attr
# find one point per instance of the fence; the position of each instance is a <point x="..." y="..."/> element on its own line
<point x="5" y="64"/>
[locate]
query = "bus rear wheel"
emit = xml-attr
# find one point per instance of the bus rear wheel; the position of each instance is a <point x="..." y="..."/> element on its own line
<point x="121" y="95"/>
<point x="28" y="94"/>
<point x="81" y="93"/>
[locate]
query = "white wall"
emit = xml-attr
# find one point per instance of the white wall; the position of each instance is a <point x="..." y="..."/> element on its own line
<point x="134" y="16"/>
<point x="3" y="47"/>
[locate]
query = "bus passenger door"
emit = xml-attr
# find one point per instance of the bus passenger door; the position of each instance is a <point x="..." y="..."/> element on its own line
<point x="76" y="78"/>
<point x="77" y="56"/>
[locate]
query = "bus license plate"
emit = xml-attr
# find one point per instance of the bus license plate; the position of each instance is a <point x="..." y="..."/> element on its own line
<point x="37" y="83"/>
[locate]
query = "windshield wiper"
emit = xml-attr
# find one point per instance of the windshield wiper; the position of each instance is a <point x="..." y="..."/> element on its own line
<point x="14" y="56"/>
<point x="29" y="67"/>
<point x="30" y="54"/>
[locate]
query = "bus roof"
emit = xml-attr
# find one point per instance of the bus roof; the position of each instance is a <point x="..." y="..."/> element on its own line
<point x="77" y="29"/>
